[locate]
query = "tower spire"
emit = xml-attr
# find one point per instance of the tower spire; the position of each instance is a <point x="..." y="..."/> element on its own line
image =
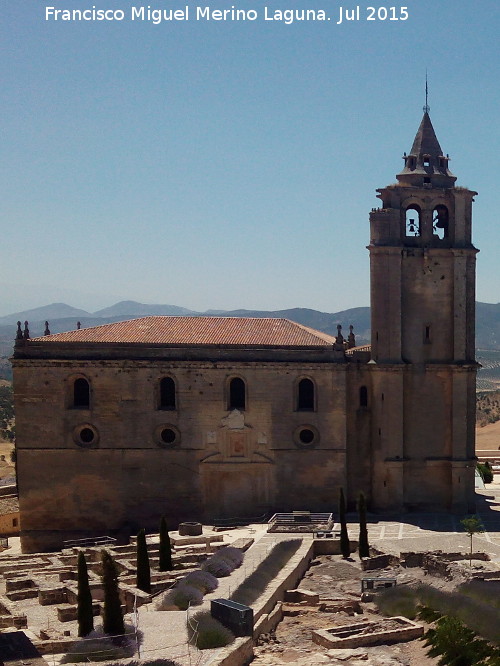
<point x="426" y="108"/>
<point x="426" y="164"/>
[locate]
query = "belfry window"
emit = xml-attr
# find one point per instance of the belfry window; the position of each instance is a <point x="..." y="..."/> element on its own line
<point x="440" y="222"/>
<point x="363" y="396"/>
<point x="412" y="222"/>
<point x="305" y="395"/>
<point x="167" y="393"/>
<point x="237" y="394"/>
<point x="81" y="393"/>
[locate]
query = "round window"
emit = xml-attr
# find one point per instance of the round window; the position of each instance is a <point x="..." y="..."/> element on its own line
<point x="306" y="436"/>
<point x="167" y="436"/>
<point x="86" y="435"/>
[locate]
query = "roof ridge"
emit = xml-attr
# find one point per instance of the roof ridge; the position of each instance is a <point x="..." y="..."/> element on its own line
<point x="196" y="330"/>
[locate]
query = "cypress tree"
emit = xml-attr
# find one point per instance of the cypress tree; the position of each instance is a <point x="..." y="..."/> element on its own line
<point x="345" y="546"/>
<point x="84" y="598"/>
<point x="165" y="547"/>
<point x="363" y="548"/>
<point x="112" y="621"/>
<point x="143" y="569"/>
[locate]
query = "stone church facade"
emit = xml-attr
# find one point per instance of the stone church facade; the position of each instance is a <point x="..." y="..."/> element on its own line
<point x="198" y="418"/>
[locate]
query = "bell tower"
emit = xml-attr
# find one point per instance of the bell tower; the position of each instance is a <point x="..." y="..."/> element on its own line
<point x="422" y="269"/>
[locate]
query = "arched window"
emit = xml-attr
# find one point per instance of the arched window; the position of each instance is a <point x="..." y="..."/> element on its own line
<point x="413" y="222"/>
<point x="363" y="396"/>
<point x="440" y="222"/>
<point x="305" y="395"/>
<point x="81" y="393"/>
<point x="167" y="393"/>
<point x="237" y="391"/>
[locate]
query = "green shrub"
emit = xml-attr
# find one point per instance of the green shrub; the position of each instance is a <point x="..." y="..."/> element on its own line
<point x="482" y="590"/>
<point x="84" y="598"/>
<point x="203" y="580"/>
<point x="485" y="471"/>
<point x="251" y="588"/>
<point x="398" y="600"/>
<point x="219" y="567"/>
<point x="143" y="567"/>
<point x="456" y="644"/>
<point x="182" y="596"/>
<point x="473" y="605"/>
<point x="165" y="562"/>
<point x="233" y="555"/>
<point x="345" y="546"/>
<point x="205" y="632"/>
<point x="112" y="611"/>
<point x="94" y="650"/>
<point x="99" y="647"/>
<point x="363" y="546"/>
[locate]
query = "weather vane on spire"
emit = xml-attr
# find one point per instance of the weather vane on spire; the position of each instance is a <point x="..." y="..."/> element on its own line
<point x="427" y="108"/>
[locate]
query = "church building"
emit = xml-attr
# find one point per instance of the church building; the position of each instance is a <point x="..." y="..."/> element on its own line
<point x="199" y="418"/>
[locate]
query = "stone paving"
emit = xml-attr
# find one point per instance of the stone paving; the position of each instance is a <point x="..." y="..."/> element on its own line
<point x="438" y="531"/>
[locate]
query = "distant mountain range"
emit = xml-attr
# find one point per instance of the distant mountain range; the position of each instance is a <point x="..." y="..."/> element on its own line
<point x="62" y="317"/>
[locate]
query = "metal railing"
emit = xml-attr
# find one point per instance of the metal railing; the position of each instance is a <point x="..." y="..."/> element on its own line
<point x="89" y="542"/>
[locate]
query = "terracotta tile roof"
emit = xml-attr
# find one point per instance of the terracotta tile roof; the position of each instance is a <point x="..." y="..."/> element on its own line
<point x="361" y="348"/>
<point x="197" y="331"/>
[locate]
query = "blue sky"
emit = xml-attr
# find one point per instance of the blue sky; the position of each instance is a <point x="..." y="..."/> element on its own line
<point x="230" y="164"/>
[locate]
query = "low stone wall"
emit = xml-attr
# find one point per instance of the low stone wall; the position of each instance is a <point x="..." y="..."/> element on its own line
<point x="410" y="559"/>
<point x="349" y="606"/>
<point x="298" y="596"/>
<point x="242" y="543"/>
<point x="19" y="621"/>
<point x="493" y="576"/>
<point x="379" y="562"/>
<point x="129" y="595"/>
<point x="20" y="595"/>
<point x="52" y="595"/>
<point x="287" y="579"/>
<point x="54" y="645"/>
<point x="238" y="653"/>
<point x="331" y="546"/>
<point x="269" y="622"/>
<point x="368" y="633"/>
<point x="69" y="612"/>
<point x="19" y="584"/>
<point x="179" y="541"/>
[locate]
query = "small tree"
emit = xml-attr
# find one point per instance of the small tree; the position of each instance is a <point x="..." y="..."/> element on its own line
<point x="345" y="546"/>
<point x="472" y="525"/>
<point x="165" y="563"/>
<point x="112" y="621"/>
<point x="143" y="568"/>
<point x="84" y="598"/>
<point x="363" y="547"/>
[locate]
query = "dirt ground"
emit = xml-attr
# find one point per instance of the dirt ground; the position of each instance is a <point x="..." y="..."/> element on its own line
<point x="488" y="438"/>
<point x="7" y="468"/>
<point x="334" y="578"/>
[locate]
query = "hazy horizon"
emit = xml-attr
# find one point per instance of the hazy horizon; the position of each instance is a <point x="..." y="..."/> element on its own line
<point x="225" y="165"/>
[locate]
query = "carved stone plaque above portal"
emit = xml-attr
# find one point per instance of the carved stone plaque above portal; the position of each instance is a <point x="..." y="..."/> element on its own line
<point x="235" y="420"/>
